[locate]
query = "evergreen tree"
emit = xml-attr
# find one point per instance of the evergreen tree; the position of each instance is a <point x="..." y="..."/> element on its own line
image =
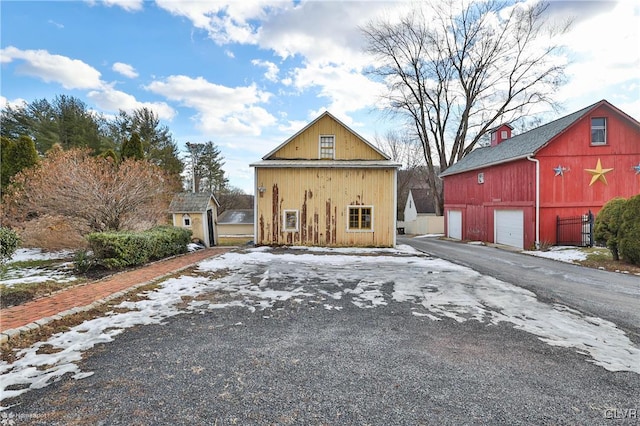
<point x="132" y="148"/>
<point x="208" y="167"/>
<point x="6" y="145"/>
<point x="19" y="155"/>
<point x="157" y="143"/>
<point x="66" y="121"/>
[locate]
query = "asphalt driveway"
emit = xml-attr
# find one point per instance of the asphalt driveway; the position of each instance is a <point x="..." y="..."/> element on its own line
<point x="297" y="337"/>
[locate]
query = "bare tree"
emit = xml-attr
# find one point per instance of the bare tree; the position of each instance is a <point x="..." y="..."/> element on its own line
<point x="404" y="149"/>
<point x="455" y="69"/>
<point x="97" y="193"/>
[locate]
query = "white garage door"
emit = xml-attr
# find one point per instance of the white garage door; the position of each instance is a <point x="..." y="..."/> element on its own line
<point x="509" y="228"/>
<point x="454" y="224"/>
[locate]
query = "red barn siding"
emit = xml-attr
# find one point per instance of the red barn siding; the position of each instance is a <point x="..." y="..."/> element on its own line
<point x="506" y="186"/>
<point x="571" y="194"/>
<point x="512" y="185"/>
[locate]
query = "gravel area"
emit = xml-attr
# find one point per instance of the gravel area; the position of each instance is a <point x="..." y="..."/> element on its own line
<point x="299" y="363"/>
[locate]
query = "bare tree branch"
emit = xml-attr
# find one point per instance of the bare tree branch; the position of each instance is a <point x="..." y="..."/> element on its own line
<point x="457" y="68"/>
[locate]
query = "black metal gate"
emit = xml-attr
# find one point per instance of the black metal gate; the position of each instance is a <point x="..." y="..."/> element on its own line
<point x="575" y="230"/>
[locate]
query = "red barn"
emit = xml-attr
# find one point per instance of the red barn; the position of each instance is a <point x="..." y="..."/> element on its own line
<point x="513" y="191"/>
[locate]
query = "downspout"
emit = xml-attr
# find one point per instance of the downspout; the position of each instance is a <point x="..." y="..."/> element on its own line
<point x="537" y="199"/>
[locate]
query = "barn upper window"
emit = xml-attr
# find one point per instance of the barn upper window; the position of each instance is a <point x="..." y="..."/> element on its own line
<point x="598" y="131"/>
<point x="360" y="218"/>
<point x="327" y="147"/>
<point x="186" y="220"/>
<point x="290" y="220"/>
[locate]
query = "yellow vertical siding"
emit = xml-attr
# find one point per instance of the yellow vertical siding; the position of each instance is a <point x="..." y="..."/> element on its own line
<point x="321" y="196"/>
<point x="306" y="145"/>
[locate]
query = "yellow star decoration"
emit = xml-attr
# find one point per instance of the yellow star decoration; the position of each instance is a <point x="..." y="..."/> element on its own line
<point x="598" y="173"/>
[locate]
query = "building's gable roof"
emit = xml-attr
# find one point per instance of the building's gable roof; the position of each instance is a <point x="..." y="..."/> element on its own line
<point x="523" y="145"/>
<point x="190" y="202"/>
<point x="422" y="200"/>
<point x="236" y="217"/>
<point x="325" y="114"/>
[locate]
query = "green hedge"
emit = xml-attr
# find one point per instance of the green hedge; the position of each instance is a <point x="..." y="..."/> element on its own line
<point x="629" y="233"/>
<point x="9" y="243"/>
<point x="124" y="249"/>
<point x="618" y="226"/>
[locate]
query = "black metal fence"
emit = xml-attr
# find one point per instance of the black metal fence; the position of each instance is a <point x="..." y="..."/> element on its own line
<point x="575" y="230"/>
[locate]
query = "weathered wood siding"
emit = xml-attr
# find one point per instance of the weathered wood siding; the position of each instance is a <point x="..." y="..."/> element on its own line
<point x="307" y="144"/>
<point x="321" y="196"/>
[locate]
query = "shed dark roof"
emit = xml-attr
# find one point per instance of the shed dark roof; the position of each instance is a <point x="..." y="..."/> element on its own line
<point x="519" y="146"/>
<point x="422" y="200"/>
<point x="236" y="217"/>
<point x="190" y="202"/>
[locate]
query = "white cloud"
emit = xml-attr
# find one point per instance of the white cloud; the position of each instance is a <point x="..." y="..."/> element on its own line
<point x="55" y="24"/>
<point x="605" y="63"/>
<point x="272" y="69"/>
<point x="4" y="102"/>
<point x="70" y="73"/>
<point x="113" y="100"/>
<point x="345" y="89"/>
<point x="125" y="69"/>
<point x="225" y="22"/>
<point x="128" y="5"/>
<point x="221" y="110"/>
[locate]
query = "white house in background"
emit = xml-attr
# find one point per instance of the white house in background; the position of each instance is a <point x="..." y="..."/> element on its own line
<point x="236" y="223"/>
<point x="420" y="214"/>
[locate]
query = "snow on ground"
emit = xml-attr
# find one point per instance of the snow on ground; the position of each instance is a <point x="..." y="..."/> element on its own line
<point x="61" y="273"/>
<point x="332" y="279"/>
<point x="567" y="254"/>
<point x="26" y="254"/>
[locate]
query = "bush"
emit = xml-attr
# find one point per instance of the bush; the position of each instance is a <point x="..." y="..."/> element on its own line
<point x="607" y="225"/>
<point x="629" y="233"/>
<point x="9" y="243"/>
<point x="123" y="249"/>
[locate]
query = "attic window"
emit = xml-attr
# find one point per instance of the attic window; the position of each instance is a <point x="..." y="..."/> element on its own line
<point x="186" y="220"/>
<point x="327" y="147"/>
<point x="599" y="131"/>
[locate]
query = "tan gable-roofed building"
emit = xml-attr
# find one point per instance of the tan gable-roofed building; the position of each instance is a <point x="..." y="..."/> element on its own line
<point x="325" y="186"/>
<point x="196" y="212"/>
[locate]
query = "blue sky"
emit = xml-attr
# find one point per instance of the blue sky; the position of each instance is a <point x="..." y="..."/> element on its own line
<point x="249" y="74"/>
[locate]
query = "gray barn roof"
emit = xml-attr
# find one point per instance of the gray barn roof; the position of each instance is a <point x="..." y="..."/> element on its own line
<point x="519" y="146"/>
<point x="189" y="202"/>
<point x="422" y="200"/>
<point x="236" y="217"/>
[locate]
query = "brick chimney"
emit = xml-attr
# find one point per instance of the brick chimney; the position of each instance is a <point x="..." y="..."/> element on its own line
<point x="500" y="134"/>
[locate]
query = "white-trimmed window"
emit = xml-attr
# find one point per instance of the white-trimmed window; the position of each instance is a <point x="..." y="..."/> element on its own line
<point x="360" y="218"/>
<point x="186" y="220"/>
<point x="598" y="131"/>
<point x="290" y="220"/>
<point x="327" y="147"/>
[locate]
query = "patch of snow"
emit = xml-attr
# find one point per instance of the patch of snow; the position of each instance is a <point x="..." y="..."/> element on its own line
<point x="194" y="247"/>
<point x="561" y="253"/>
<point x="429" y="236"/>
<point x="261" y="278"/>
<point x="27" y="254"/>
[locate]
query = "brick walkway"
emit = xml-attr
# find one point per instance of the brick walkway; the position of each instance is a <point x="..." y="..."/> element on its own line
<point x="86" y="294"/>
